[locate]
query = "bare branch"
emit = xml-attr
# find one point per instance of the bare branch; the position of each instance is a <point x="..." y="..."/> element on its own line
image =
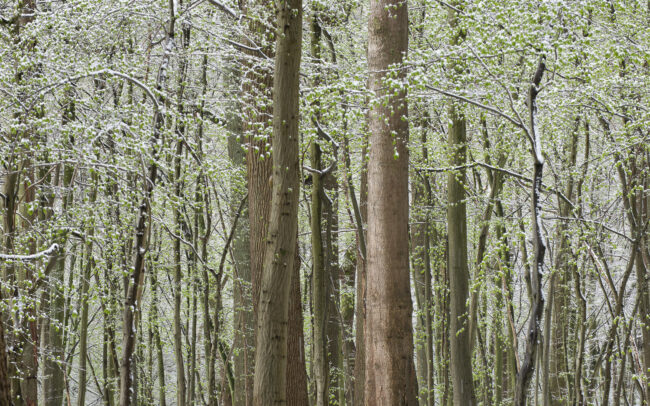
<point x="490" y="109"/>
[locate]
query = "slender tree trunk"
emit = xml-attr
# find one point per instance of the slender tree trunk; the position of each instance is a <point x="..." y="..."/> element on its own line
<point x="390" y="371"/>
<point x="421" y="247"/>
<point x="5" y="382"/>
<point x="85" y="283"/>
<point x="181" y="379"/>
<point x="355" y="312"/>
<point x="272" y="317"/>
<point x="28" y="326"/>
<point x="160" y="361"/>
<point x="459" y="338"/>
<point x="361" y="216"/>
<point x="556" y="323"/>
<point x="333" y="332"/>
<point x="142" y="231"/>
<point x="319" y="282"/>
<point x="178" y="282"/>
<point x="527" y="368"/>
<point x="347" y="314"/>
<point x="459" y="318"/>
<point x="296" y="371"/>
<point x="319" y="275"/>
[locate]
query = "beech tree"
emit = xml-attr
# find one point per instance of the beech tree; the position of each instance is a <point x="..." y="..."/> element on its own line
<point x="390" y="371"/>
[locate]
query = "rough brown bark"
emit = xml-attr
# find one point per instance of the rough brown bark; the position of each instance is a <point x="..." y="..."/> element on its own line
<point x="242" y="299"/>
<point x="258" y="110"/>
<point x="272" y="318"/>
<point x="390" y="370"/>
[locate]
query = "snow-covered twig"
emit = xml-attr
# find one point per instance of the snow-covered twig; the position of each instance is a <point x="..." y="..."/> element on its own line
<point x="54" y="248"/>
<point x="224" y="8"/>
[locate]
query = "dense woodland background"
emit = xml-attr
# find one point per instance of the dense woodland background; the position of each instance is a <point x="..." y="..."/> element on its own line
<point x="468" y="181"/>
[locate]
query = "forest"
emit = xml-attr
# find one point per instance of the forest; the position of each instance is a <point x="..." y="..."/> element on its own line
<point x="314" y="203"/>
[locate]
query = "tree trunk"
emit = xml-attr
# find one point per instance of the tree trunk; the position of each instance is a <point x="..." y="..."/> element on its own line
<point x="178" y="281"/>
<point x="459" y="338"/>
<point x="5" y="382"/>
<point x="296" y="372"/>
<point x="361" y="216"/>
<point x="319" y="282"/>
<point x="390" y="371"/>
<point x="85" y="282"/>
<point x="242" y="300"/>
<point x="421" y="247"/>
<point x="319" y="275"/>
<point x="272" y="318"/>
<point x="555" y="366"/>
<point x="528" y="363"/>
<point x="142" y="230"/>
<point x="457" y="263"/>
<point x="179" y="349"/>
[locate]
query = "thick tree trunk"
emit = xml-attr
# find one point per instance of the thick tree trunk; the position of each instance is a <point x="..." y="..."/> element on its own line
<point x="244" y="322"/>
<point x="257" y="108"/>
<point x="390" y="371"/>
<point x="275" y="287"/>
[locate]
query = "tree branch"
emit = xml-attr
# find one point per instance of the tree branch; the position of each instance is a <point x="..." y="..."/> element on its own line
<point x="54" y="248"/>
